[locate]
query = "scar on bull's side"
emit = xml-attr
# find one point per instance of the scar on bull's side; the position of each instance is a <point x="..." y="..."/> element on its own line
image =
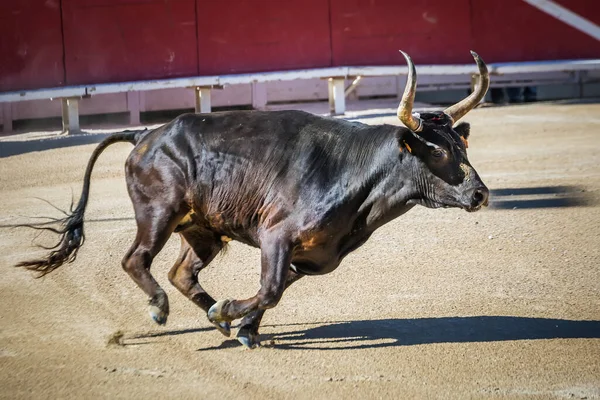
<point x="313" y="240"/>
<point x="138" y="153"/>
<point x="189" y="221"/>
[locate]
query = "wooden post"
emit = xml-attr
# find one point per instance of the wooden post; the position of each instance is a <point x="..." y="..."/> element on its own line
<point x="579" y="76"/>
<point x="7" y="118"/>
<point x="337" y="96"/>
<point x="133" y="105"/>
<point x="70" y="115"/>
<point x="352" y="86"/>
<point x="330" y="96"/>
<point x="202" y="99"/>
<point x="259" y="95"/>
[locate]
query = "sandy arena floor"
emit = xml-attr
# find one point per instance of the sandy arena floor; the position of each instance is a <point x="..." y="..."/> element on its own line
<point x="503" y="303"/>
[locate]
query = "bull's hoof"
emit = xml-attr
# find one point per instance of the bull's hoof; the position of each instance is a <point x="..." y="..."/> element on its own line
<point x="159" y="316"/>
<point x="223" y="327"/>
<point x="248" y="338"/>
<point x="215" y="313"/>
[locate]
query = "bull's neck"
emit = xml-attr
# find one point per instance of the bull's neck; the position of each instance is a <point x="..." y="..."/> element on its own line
<point x="391" y="187"/>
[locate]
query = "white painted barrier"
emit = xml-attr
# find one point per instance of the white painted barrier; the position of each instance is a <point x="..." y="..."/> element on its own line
<point x="202" y="85"/>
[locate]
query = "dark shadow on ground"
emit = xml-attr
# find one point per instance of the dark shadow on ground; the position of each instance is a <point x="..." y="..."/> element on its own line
<point x="13" y="148"/>
<point x="539" y="197"/>
<point x="408" y="332"/>
<point x="150" y="337"/>
<point x="367" y="334"/>
<point x="175" y="332"/>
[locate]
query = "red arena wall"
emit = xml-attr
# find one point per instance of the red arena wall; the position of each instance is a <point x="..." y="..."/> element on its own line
<point x="31" y="45"/>
<point x="49" y="43"/>
<point x="117" y="40"/>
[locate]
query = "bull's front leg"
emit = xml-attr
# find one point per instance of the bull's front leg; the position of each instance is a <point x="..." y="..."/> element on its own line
<point x="275" y="265"/>
<point x="248" y="332"/>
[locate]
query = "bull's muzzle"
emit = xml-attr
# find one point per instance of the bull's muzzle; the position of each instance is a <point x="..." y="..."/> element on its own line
<point x="478" y="197"/>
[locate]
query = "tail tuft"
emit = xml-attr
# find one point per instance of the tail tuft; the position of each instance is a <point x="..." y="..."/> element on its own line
<point x="70" y="230"/>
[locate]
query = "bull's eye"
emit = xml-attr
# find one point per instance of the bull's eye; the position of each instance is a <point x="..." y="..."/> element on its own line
<point x="437" y="153"/>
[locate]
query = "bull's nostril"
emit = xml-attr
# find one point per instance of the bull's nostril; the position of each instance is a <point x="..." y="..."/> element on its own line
<point x="480" y="196"/>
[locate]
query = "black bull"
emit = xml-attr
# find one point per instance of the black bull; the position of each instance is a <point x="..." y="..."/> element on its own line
<point x="306" y="190"/>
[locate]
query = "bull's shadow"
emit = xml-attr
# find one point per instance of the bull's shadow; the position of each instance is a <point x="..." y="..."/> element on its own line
<point x="407" y="332"/>
<point x="539" y="197"/>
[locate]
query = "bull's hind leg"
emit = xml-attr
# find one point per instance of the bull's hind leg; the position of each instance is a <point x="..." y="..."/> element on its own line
<point x="248" y="332"/>
<point x="198" y="249"/>
<point x="155" y="223"/>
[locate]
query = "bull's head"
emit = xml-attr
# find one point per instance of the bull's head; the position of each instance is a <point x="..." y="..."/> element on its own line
<point x="444" y="175"/>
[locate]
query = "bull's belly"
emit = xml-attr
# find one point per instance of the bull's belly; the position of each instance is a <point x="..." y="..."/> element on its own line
<point x="317" y="261"/>
<point x="324" y="258"/>
<point x="306" y="267"/>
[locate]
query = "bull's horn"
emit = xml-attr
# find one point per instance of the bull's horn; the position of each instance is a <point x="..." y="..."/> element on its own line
<point x="461" y="108"/>
<point x="412" y="122"/>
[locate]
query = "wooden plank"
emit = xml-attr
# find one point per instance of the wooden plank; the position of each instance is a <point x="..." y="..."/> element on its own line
<point x="152" y="84"/>
<point x="283" y="75"/>
<point x="214" y="81"/>
<point x="40" y="94"/>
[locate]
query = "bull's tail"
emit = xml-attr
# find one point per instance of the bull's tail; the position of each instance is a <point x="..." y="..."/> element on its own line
<point x="70" y="228"/>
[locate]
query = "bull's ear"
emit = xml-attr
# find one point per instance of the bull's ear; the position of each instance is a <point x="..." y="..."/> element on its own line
<point x="410" y="142"/>
<point x="463" y="129"/>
